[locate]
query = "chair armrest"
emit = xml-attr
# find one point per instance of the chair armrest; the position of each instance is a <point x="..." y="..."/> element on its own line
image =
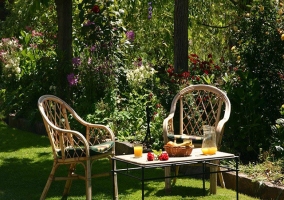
<point x="107" y="130"/>
<point x="70" y="143"/>
<point x="89" y="126"/>
<point x="220" y="130"/>
<point x="168" y="127"/>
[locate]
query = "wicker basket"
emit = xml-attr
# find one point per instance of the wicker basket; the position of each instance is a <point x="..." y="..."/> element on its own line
<point x="178" y="151"/>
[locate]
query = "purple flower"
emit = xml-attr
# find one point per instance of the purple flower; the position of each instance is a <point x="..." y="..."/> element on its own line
<point x="88" y="23"/>
<point x="76" y="61"/>
<point x="72" y="79"/>
<point x="150" y="10"/>
<point x="89" y="61"/>
<point x="130" y="35"/>
<point x="92" y="48"/>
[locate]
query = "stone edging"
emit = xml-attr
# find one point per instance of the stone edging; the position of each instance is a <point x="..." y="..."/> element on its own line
<point x="262" y="190"/>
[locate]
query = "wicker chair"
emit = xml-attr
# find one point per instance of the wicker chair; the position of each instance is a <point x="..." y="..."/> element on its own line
<point x="192" y="107"/>
<point x="70" y="147"/>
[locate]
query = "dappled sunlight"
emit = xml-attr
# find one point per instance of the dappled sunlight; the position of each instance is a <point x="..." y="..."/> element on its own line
<point x="26" y="167"/>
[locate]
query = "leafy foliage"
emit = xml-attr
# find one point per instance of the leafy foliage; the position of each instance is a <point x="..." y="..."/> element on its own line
<point x="122" y="56"/>
<point x="258" y="91"/>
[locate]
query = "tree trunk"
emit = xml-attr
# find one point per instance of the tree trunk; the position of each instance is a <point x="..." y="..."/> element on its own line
<point x="181" y="36"/>
<point x="64" y="51"/>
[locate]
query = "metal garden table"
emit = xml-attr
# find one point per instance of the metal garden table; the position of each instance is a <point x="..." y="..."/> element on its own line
<point x="196" y="156"/>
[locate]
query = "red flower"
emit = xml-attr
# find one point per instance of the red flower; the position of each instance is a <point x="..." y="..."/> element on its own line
<point x="193" y="58"/>
<point x="96" y="9"/>
<point x="217" y="67"/>
<point x="185" y="74"/>
<point x="197" y="78"/>
<point x="170" y="71"/>
<point x="158" y="105"/>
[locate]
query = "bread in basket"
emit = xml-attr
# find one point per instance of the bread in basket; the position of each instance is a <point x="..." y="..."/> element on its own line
<point x="179" y="150"/>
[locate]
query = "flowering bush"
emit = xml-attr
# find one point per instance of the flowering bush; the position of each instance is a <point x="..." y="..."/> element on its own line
<point x="138" y="77"/>
<point x="199" y="71"/>
<point x="10" y="56"/>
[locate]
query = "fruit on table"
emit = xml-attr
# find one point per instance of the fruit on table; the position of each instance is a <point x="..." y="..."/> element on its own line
<point x="163" y="156"/>
<point x="150" y="156"/>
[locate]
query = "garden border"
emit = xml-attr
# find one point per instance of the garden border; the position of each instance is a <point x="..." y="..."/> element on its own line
<point x="263" y="190"/>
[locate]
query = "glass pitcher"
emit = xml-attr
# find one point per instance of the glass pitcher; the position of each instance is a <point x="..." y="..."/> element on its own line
<point x="209" y="146"/>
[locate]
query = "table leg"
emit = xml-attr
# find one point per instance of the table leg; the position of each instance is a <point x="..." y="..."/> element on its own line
<point x="213" y="178"/>
<point x="167" y="180"/>
<point x="203" y="177"/>
<point x="142" y="183"/>
<point x="114" y="180"/>
<point x="237" y="177"/>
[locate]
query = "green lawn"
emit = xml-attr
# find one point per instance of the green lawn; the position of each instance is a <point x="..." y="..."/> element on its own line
<point x="26" y="160"/>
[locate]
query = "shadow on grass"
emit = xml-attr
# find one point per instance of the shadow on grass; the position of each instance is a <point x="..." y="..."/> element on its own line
<point x="13" y="139"/>
<point x="183" y="191"/>
<point x="26" y="161"/>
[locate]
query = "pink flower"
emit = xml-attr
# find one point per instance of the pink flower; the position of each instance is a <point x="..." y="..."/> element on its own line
<point x="35" y="33"/>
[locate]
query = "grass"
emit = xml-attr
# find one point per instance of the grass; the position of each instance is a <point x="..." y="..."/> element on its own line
<point x="26" y="161"/>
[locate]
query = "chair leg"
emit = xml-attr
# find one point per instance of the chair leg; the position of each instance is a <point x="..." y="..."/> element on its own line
<point x="69" y="181"/>
<point x="49" y="181"/>
<point x="221" y="179"/>
<point x="176" y="172"/>
<point x="88" y="180"/>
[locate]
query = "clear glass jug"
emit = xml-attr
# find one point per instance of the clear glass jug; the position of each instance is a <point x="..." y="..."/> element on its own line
<point x="209" y="146"/>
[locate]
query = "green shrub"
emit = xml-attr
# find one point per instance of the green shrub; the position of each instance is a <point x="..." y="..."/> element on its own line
<point x="257" y="92"/>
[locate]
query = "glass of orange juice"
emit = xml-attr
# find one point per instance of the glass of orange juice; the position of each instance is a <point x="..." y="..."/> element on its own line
<point x="138" y="150"/>
<point x="209" y="140"/>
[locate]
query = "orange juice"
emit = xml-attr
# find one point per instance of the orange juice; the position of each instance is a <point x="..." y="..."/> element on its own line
<point x="138" y="150"/>
<point x="209" y="150"/>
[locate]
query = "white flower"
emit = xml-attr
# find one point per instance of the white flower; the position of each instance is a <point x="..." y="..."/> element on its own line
<point x="18" y="70"/>
<point x="121" y="11"/>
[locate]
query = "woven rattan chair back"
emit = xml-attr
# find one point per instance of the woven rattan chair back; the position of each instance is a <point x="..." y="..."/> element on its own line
<point x="194" y="106"/>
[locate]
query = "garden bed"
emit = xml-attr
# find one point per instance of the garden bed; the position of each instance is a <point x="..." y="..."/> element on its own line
<point x="261" y="190"/>
<point x="26" y="125"/>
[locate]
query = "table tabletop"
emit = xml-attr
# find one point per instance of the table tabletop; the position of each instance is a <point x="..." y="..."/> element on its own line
<point x="195" y="157"/>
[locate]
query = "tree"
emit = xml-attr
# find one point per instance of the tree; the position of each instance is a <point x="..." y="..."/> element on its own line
<point x="181" y="36"/>
<point x="64" y="51"/>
